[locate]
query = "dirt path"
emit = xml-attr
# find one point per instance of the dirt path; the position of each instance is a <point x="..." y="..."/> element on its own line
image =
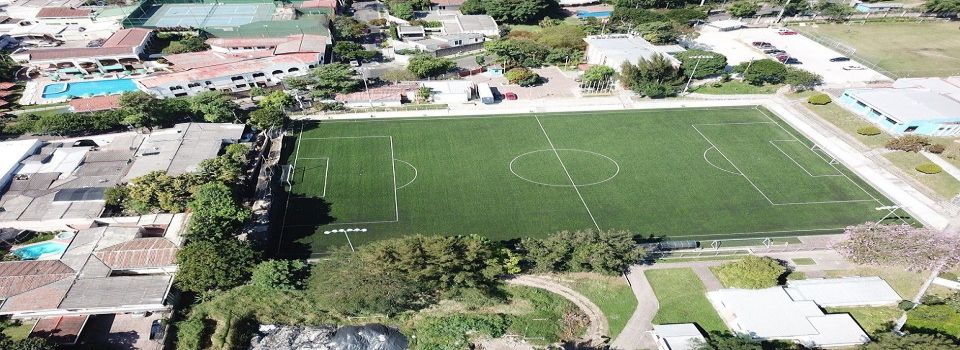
<point x="599" y="330"/>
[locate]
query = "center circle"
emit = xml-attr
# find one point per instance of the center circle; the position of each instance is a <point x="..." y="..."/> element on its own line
<point x="582" y="168"/>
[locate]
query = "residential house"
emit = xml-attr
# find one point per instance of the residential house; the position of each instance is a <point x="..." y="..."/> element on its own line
<point x="446" y="5"/>
<point x="382" y="96"/>
<point x="451" y="44"/>
<point x="125" y="49"/>
<point x="613" y="50"/>
<point x="455" y="23"/>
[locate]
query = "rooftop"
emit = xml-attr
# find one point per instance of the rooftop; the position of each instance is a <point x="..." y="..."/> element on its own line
<point x="94" y="104"/>
<point x="457" y="23"/>
<point x="772" y="314"/>
<point x="388" y="93"/>
<point x="123" y="42"/>
<point x="909" y="104"/>
<point x="312" y="4"/>
<point x="229" y="69"/>
<point x="850" y="291"/>
<point x="619" y="48"/>
<point x="64" y="12"/>
<point x="180" y="149"/>
<point x="684" y="336"/>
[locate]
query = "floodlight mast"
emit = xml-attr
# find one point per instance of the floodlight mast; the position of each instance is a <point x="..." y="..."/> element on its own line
<point x="891" y="209"/>
<point x="694" y="72"/>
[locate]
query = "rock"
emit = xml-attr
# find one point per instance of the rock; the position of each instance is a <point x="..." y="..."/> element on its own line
<point x="366" y="337"/>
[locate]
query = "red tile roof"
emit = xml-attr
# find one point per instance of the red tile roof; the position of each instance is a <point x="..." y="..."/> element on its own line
<point x="93" y="104"/>
<point x="5" y="93"/>
<point x="313" y="4"/>
<point x="193" y="60"/>
<point x="127" y="38"/>
<point x="227" y="69"/>
<point x="123" y="42"/>
<point x="60" y="329"/>
<point x="379" y="94"/>
<point x="63" y="12"/>
<point x="6" y="85"/>
<point x="17" y="277"/>
<point x="139" y="253"/>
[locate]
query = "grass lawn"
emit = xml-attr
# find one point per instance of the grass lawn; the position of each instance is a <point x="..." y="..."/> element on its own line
<point x="682" y="299"/>
<point x="943" y="184"/>
<point x="803" y="261"/>
<point x="874" y="320"/>
<point x="934" y="319"/>
<point x="906" y="283"/>
<point x="612" y="294"/>
<point x="683" y="173"/>
<point x="905" y="49"/>
<point x="735" y="87"/>
<point x="20" y="331"/>
<point x="848" y="122"/>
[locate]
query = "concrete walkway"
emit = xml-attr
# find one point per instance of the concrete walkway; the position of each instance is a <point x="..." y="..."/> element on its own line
<point x="598" y="331"/>
<point x="948" y="167"/>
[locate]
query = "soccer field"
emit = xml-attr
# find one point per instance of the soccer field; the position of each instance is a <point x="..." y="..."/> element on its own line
<point x="679" y="174"/>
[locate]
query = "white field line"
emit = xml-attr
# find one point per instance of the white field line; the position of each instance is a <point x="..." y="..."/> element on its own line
<point x="733" y="164"/>
<point x="714" y="165"/>
<point x="326" y="170"/>
<point x="568" y="173"/>
<point x="831" y="164"/>
<point x="505" y="116"/>
<point x="774" y="143"/>
<point x="415" y="173"/>
<point x="286" y="208"/>
<point x="393" y="165"/>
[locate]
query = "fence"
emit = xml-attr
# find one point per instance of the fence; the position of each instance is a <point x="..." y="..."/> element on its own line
<point x="846" y="50"/>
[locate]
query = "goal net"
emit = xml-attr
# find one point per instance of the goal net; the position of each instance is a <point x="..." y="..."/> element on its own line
<point x="286" y="175"/>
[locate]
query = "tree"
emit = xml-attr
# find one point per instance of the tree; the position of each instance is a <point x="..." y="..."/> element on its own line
<point x="327" y="80"/>
<point x="714" y="63"/>
<point x="266" y="118"/>
<point x="598" y="74"/>
<point x="157" y="192"/>
<point x="191" y="43"/>
<point x="346" y="282"/>
<point x="899" y="245"/>
<point x="216" y="215"/>
<point x="801" y="80"/>
<point x="402" y="10"/>
<point x="659" y="32"/>
<point x="743" y="8"/>
<point x="472" y="7"/>
<point x="347" y="51"/>
<point x="765" y="71"/>
<point x="424" y="66"/>
<point x="942" y="7"/>
<point x="214" y="106"/>
<point x="27" y="344"/>
<point x="890" y="341"/>
<point x="8" y="67"/>
<point x="207" y="266"/>
<point x="752" y="272"/>
<point x="607" y="252"/>
<point x="834" y="11"/>
<point x="141" y="109"/>
<point x="523" y="77"/>
<point x="654" y="78"/>
<point x="519" y="11"/>
<point x="277" y="100"/>
<point x="518" y="52"/>
<point x="349" y="29"/>
<point x="280" y="274"/>
<point x="567" y="36"/>
<point x="424" y="93"/>
<point x="727" y="341"/>
<point x="398" y="75"/>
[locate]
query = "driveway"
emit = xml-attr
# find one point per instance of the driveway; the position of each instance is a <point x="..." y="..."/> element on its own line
<point x="364" y="11"/>
<point x="558" y="85"/>
<point x="813" y="56"/>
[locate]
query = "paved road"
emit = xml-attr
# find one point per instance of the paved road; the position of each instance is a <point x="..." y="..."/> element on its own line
<point x="364" y="11"/>
<point x="598" y="331"/>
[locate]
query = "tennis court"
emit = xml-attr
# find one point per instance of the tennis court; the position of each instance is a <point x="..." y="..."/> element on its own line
<point x="208" y="15"/>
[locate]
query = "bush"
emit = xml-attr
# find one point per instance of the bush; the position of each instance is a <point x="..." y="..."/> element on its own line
<point x="190" y="333"/>
<point x="869" y="131"/>
<point x="929" y="168"/>
<point x="752" y="272"/>
<point x="936" y="148"/>
<point x="606" y="252"/>
<point x="909" y="143"/>
<point x="523" y="77"/>
<point x="280" y="274"/>
<point x="906" y="305"/>
<point x="454" y="332"/>
<point x="819" y="99"/>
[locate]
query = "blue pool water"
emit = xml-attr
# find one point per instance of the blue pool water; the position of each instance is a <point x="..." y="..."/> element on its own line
<point x="593" y="14"/>
<point x="32" y="252"/>
<point x="91" y="88"/>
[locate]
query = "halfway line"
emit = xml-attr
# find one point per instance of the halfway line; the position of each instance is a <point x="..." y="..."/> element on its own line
<point x="574" y="184"/>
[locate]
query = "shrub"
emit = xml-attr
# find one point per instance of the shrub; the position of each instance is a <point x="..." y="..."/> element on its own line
<point x="906" y="305"/>
<point x="279" y="274"/>
<point x="523" y="77"/>
<point x="819" y="99"/>
<point x="378" y="22"/>
<point x="869" y="131"/>
<point x="929" y="168"/>
<point x="908" y="143"/>
<point x="936" y="148"/>
<point x="752" y="272"/>
<point x="606" y="252"/>
<point x="453" y="332"/>
<point x="190" y="333"/>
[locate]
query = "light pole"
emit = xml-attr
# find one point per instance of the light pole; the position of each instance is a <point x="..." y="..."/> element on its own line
<point x="345" y="231"/>
<point x="694" y="72"/>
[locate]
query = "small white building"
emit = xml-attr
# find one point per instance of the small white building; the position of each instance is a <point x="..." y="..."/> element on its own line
<point x="455" y="23"/>
<point x="450" y="91"/>
<point x="411" y="32"/>
<point x="725" y="25"/>
<point x="684" y="336"/>
<point x="842" y="292"/>
<point x="613" y="50"/>
<point x="11" y="154"/>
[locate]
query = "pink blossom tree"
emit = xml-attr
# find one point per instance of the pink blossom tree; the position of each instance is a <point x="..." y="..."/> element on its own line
<point x="899" y="245"/>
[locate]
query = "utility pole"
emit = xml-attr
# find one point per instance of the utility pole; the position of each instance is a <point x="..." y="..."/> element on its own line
<point x="783" y="9"/>
<point x="694" y="72"/>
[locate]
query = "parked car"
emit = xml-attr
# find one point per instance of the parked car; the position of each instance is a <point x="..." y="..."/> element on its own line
<point x="773" y="52"/>
<point x="355" y="63"/>
<point x="853" y="67"/>
<point x="509" y="96"/>
<point x="783" y="58"/>
<point x="839" y="59"/>
<point x="762" y="45"/>
<point x="785" y="31"/>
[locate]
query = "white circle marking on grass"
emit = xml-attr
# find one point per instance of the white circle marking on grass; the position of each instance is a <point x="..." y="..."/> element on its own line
<point x="415" y="173"/>
<point x="617" y="172"/>
<point x="714" y="165"/>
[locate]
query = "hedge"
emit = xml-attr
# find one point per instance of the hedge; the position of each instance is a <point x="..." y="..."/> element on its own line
<point x="819" y="99"/>
<point x="936" y="148"/>
<point x="869" y="131"/>
<point x="929" y="168"/>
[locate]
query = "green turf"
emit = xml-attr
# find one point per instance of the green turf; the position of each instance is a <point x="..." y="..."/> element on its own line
<point x="682" y="299"/>
<point x="803" y="261"/>
<point x="666" y="173"/>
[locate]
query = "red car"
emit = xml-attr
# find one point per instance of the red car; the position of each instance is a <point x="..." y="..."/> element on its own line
<point x="509" y="96"/>
<point x="785" y="31"/>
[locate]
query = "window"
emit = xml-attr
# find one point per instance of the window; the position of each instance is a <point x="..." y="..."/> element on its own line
<point x="247" y="48"/>
<point x="177" y="87"/>
<point x="241" y="86"/>
<point x="257" y="75"/>
<point x="208" y="82"/>
<point x="193" y="85"/>
<point x="910" y="129"/>
<point x="182" y="94"/>
<point x="861" y="104"/>
<point x="239" y="77"/>
<point x="891" y="121"/>
<point x="294" y="69"/>
<point x="277" y="72"/>
<point x="457" y="42"/>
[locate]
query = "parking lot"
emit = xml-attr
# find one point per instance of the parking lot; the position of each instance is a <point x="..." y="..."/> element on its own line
<point x="811" y="55"/>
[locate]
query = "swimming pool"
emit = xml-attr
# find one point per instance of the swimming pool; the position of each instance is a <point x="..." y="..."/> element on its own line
<point x="89" y="88"/>
<point x="594" y="14"/>
<point x="35" y="251"/>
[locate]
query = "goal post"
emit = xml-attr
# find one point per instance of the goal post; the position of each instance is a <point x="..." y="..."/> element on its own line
<point x="286" y="175"/>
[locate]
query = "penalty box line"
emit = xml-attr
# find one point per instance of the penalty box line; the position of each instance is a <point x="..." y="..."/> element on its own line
<point x="774" y="143"/>
<point x="751" y="181"/>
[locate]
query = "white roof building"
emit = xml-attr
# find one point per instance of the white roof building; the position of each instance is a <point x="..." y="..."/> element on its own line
<point x="726" y="25"/>
<point x="456" y="23"/>
<point x="613" y="50"/>
<point x="772" y="314"/>
<point x="684" y="336"/>
<point x="450" y="91"/>
<point x="839" y="292"/>
<point x="11" y="153"/>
